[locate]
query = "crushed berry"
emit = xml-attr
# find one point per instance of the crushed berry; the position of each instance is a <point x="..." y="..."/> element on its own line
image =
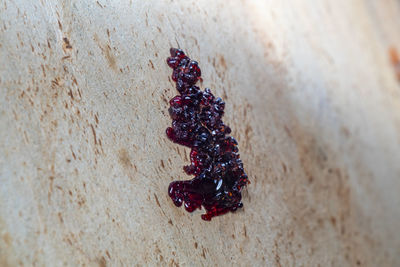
<point x="215" y="161"/>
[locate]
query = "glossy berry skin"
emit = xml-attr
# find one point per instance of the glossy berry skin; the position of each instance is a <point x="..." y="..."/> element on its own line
<point x="215" y="161"/>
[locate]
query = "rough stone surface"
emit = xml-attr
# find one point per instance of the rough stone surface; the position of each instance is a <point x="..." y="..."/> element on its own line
<point x="311" y="96"/>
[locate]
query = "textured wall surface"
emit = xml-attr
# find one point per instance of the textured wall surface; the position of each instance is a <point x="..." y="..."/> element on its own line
<point x="311" y="96"/>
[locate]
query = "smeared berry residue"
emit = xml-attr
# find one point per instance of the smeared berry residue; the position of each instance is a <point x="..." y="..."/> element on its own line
<point x="215" y="161"/>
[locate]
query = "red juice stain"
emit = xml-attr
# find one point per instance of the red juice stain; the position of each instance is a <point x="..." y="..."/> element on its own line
<point x="215" y="160"/>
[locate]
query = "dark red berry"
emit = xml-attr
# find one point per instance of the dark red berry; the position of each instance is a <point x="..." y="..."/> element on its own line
<point x="215" y="161"/>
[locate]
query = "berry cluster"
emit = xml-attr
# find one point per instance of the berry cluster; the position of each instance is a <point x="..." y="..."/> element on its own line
<point x="215" y="162"/>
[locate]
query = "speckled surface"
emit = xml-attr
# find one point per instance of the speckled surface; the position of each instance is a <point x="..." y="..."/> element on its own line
<point x="311" y="96"/>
